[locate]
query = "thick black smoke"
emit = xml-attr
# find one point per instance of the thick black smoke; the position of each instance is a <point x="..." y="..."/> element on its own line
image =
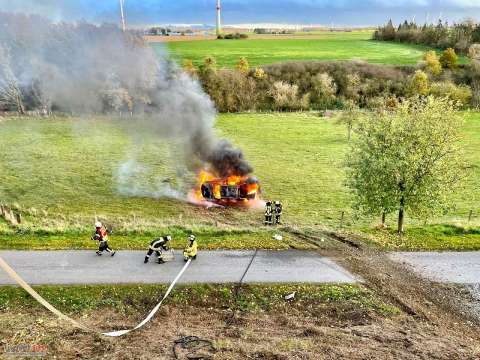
<point x="83" y="69"/>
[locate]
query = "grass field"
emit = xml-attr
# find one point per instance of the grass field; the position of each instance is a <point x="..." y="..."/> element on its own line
<point x="326" y="46"/>
<point x="61" y="173"/>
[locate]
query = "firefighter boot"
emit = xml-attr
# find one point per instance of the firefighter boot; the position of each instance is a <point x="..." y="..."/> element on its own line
<point x="146" y="260"/>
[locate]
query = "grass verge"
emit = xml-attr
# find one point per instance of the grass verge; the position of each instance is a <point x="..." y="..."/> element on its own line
<point x="208" y="238"/>
<point x="134" y="298"/>
<point x="430" y="237"/>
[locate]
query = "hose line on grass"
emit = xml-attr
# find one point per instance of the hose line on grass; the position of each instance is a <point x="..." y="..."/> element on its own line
<point x="10" y="272"/>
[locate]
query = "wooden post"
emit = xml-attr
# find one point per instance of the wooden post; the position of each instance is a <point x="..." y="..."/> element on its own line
<point x="11" y="218"/>
<point x="470" y="216"/>
<point x="18" y="217"/>
<point x="7" y="214"/>
<point x="342" y="217"/>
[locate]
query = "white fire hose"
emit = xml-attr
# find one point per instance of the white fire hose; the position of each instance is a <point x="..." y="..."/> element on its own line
<point x="62" y="316"/>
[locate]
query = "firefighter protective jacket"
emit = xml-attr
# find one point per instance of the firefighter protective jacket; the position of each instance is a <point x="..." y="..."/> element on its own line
<point x="160" y="243"/>
<point x="191" y="249"/>
<point x="268" y="211"/>
<point x="100" y="235"/>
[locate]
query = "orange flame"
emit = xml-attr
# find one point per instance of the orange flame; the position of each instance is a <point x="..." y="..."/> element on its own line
<point x="245" y="189"/>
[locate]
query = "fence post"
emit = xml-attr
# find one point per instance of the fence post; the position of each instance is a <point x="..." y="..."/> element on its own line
<point x="470" y="216"/>
<point x="342" y="217"/>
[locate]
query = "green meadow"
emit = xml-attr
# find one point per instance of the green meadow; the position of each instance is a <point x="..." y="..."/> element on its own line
<point x="327" y="46"/>
<point x="60" y="173"/>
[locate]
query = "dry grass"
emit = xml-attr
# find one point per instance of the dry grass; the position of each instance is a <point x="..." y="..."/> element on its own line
<point x="245" y="336"/>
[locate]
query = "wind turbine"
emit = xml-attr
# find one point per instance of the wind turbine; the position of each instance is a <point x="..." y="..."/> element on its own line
<point x="219" y="18"/>
<point x="122" y="15"/>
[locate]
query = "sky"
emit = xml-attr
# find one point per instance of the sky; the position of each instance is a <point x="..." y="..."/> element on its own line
<point x="339" y="12"/>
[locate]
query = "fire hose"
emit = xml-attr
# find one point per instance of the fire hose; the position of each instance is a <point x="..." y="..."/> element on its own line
<point x="5" y="267"/>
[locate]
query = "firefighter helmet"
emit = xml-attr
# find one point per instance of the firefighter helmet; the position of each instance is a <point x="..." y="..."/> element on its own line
<point x="98" y="224"/>
<point x="192" y="237"/>
<point x="168" y="237"/>
<point x="277" y="202"/>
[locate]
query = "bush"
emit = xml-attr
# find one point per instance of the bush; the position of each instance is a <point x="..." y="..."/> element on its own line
<point x="243" y="66"/>
<point x="449" y="59"/>
<point x="432" y="63"/>
<point x="235" y="36"/>
<point x="286" y="97"/>
<point x="323" y="90"/>
<point x="419" y="83"/>
<point x="116" y="99"/>
<point x="232" y="91"/>
<point x="329" y="85"/>
<point x="259" y="74"/>
<point x="188" y="67"/>
<point x="461" y="94"/>
<point x="474" y="52"/>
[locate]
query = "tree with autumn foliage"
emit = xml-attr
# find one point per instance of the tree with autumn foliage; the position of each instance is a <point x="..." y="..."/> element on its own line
<point x="432" y="63"/>
<point x="449" y="59"/>
<point x="243" y="66"/>
<point x="407" y="159"/>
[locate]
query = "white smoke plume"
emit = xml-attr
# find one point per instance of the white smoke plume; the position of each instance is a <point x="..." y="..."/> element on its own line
<point x="83" y="69"/>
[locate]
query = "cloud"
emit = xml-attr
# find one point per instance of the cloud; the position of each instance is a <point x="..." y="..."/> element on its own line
<point x="346" y="12"/>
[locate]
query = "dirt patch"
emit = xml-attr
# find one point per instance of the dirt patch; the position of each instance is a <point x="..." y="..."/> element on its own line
<point x="288" y="335"/>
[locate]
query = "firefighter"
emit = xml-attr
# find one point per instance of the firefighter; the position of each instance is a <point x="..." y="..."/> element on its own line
<point x="268" y="213"/>
<point x="278" y="212"/>
<point x="190" y="251"/>
<point x="158" y="246"/>
<point x="101" y="235"/>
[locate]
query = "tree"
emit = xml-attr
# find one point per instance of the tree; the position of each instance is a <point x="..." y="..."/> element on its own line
<point x="449" y="59"/>
<point x="389" y="31"/>
<point x="349" y="116"/>
<point x="419" y="83"/>
<point x="432" y="63"/>
<point x="243" y="66"/>
<point x="10" y="91"/>
<point x="406" y="160"/>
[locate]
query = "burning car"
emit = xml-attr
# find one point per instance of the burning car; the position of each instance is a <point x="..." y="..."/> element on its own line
<point x="228" y="191"/>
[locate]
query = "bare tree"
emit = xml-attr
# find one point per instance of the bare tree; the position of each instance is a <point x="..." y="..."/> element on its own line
<point x="10" y="91"/>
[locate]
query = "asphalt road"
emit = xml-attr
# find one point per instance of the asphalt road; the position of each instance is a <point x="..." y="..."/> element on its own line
<point x="84" y="267"/>
<point x="448" y="267"/>
<point x="461" y="268"/>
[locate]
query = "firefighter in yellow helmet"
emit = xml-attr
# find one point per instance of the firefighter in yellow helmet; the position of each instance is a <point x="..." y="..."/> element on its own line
<point x="190" y="251"/>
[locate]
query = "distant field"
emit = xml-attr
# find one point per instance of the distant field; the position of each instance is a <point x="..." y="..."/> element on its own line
<point x="261" y="50"/>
